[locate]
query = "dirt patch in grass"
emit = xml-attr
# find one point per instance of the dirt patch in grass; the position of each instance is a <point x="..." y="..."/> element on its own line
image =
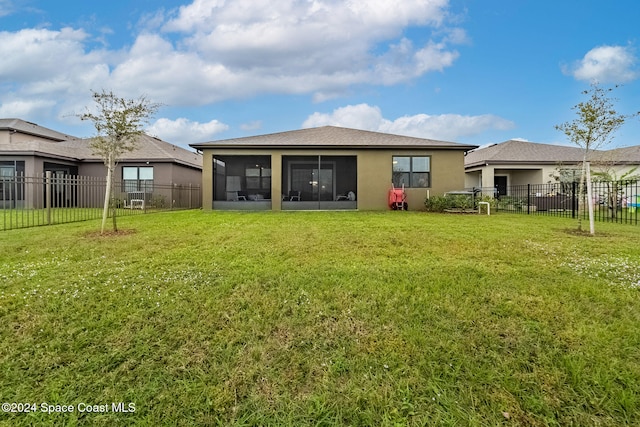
<point x="109" y="233"/>
<point x="585" y="233"/>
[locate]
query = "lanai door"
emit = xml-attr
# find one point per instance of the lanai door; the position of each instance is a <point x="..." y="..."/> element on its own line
<point x="500" y="184"/>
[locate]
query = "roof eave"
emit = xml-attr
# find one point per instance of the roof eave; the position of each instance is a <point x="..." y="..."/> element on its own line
<point x="214" y="146"/>
<point x="40" y="135"/>
<point x="145" y="160"/>
<point x="519" y="162"/>
<point x="36" y="153"/>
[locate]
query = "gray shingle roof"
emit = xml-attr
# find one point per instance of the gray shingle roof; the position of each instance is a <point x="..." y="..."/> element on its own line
<point x="33" y="129"/>
<point x="515" y="151"/>
<point x="148" y="149"/>
<point x="332" y="137"/>
<point x="57" y="150"/>
<point x="627" y="154"/>
<point x="153" y="149"/>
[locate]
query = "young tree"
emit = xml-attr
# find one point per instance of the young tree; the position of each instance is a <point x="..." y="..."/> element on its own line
<point x="118" y="123"/>
<point x="594" y="128"/>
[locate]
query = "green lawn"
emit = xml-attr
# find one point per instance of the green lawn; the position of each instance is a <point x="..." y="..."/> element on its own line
<point x="322" y="318"/>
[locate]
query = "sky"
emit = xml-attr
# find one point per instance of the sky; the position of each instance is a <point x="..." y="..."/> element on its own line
<point x="469" y="71"/>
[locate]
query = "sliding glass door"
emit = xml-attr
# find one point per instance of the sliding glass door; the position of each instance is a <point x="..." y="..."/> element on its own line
<point x="313" y="184"/>
<point x="319" y="182"/>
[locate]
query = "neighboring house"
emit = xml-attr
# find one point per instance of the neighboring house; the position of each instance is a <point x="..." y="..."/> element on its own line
<point x="516" y="162"/>
<point x="29" y="150"/>
<point x="327" y="168"/>
<point x="623" y="159"/>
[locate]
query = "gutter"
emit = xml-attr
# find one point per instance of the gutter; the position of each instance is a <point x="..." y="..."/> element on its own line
<point x="206" y="146"/>
<point x="519" y="162"/>
<point x="40" y="154"/>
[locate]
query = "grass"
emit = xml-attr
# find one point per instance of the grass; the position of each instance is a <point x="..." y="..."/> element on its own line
<point x="322" y="318"/>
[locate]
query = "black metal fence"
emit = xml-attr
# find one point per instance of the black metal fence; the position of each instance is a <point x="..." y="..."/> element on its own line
<point x="613" y="201"/>
<point x="49" y="199"/>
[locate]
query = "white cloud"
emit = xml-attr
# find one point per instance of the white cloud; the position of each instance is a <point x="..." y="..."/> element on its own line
<point x="448" y="127"/>
<point x="48" y="68"/>
<point x="24" y="108"/>
<point x="213" y="50"/>
<point x="361" y="116"/>
<point x="606" y="64"/>
<point x="301" y="46"/>
<point x="33" y="55"/>
<point x="184" y="131"/>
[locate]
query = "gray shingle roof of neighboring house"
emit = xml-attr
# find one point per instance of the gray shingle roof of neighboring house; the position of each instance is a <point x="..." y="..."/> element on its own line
<point x="65" y="147"/>
<point x="515" y="151"/>
<point x="33" y="129"/>
<point x="332" y="137"/>
<point x="627" y="154"/>
<point x="55" y="150"/>
<point x="151" y="148"/>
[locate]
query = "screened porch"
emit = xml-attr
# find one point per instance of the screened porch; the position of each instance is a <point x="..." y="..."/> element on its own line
<point x="247" y="182"/>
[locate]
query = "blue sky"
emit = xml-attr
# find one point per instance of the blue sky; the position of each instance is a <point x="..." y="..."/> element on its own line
<point x="470" y="71"/>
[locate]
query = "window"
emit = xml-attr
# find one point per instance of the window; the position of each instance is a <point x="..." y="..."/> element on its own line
<point x="7" y="171"/>
<point x="7" y="182"/>
<point x="137" y="178"/>
<point x="412" y="171"/>
<point x="11" y="181"/>
<point x="258" y="177"/>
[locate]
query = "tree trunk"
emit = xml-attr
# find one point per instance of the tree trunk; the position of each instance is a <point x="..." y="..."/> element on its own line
<point x="581" y="193"/>
<point x="114" y="207"/>
<point x="612" y="191"/>
<point x="107" y="195"/>
<point x="592" y="228"/>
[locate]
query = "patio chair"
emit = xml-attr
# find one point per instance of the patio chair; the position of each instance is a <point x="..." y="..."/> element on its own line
<point x="294" y="196"/>
<point x="349" y="196"/>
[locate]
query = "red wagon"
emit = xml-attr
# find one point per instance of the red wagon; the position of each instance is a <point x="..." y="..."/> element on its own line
<point x="397" y="199"/>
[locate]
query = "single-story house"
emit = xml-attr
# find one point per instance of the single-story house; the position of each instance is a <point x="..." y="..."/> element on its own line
<point x="29" y="150"/>
<point x="515" y="162"/>
<point x="327" y="168"/>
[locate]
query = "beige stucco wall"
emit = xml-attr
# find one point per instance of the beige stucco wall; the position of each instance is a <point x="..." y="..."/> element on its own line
<point x="375" y="170"/>
<point x="516" y="175"/>
<point x="163" y="173"/>
<point x="473" y="179"/>
<point x="521" y="176"/>
<point x="207" y="179"/>
<point x="374" y="173"/>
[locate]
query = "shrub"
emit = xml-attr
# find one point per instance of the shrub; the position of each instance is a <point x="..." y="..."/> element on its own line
<point x="449" y="201"/>
<point x="493" y="202"/>
<point x="511" y="203"/>
<point x="437" y="203"/>
<point x="456" y="201"/>
<point x="462" y="201"/>
<point x="158" y="201"/>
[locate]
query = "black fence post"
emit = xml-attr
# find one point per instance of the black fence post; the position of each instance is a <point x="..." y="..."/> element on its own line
<point x="528" y="199"/>
<point x="48" y="198"/>
<point x="574" y="198"/>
